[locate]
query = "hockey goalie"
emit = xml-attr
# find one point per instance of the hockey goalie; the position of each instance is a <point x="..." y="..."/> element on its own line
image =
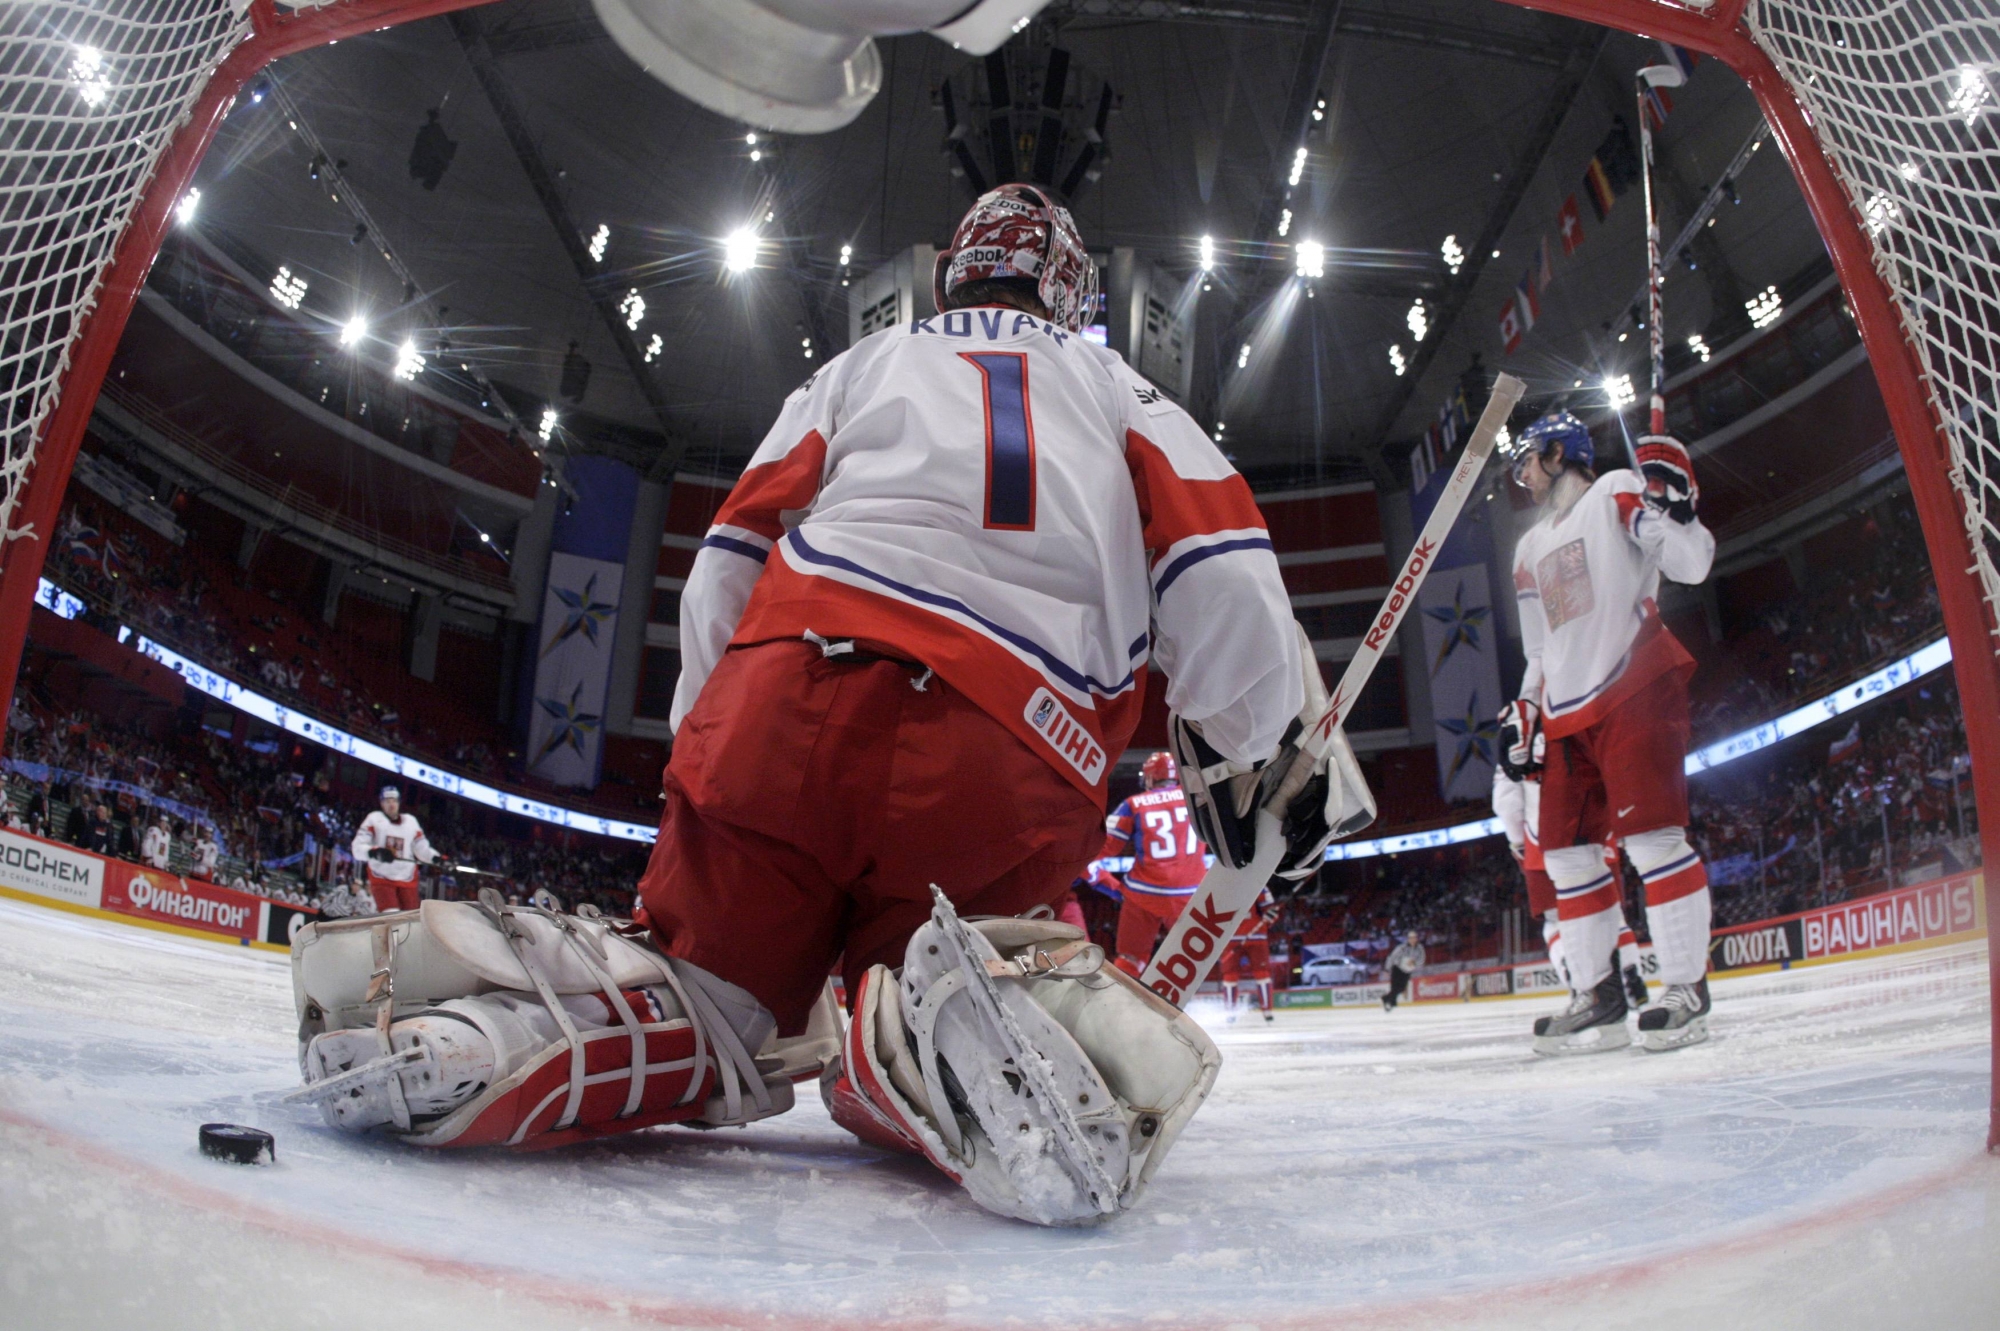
<point x="913" y="643"/>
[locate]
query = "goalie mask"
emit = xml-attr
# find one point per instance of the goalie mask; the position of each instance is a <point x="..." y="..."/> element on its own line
<point x="1018" y="231"/>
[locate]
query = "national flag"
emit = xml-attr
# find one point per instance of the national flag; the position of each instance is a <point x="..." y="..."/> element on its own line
<point x="1423" y="461"/>
<point x="1597" y="185"/>
<point x="1510" y="325"/>
<point x="1846" y="746"/>
<point x="1569" y="223"/>
<point x="1547" y="273"/>
<point x="1530" y="302"/>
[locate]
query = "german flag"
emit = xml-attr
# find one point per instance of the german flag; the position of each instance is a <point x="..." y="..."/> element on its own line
<point x="1597" y="185"/>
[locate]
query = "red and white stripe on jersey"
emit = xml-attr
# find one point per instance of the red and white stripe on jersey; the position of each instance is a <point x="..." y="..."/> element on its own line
<point x="1034" y="522"/>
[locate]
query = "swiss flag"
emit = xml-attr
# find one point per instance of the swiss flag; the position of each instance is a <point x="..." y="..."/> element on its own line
<point x="1510" y="324"/>
<point x="1569" y="221"/>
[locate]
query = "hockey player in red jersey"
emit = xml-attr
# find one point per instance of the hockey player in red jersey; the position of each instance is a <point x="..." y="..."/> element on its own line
<point x="1168" y="860"/>
<point x="1247" y="959"/>
<point x="912" y="641"/>
<point x="1606" y="683"/>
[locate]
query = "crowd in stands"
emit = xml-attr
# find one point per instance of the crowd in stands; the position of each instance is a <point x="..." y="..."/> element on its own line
<point x="1850" y="620"/>
<point x="202" y="805"/>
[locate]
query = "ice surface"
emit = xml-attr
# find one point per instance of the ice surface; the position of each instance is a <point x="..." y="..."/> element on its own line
<point x="1817" y="1164"/>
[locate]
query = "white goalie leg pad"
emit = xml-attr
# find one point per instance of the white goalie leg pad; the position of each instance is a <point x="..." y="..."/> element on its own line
<point x="1053" y="1084"/>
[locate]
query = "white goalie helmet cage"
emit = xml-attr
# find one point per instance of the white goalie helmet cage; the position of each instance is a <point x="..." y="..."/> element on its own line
<point x="795" y="66"/>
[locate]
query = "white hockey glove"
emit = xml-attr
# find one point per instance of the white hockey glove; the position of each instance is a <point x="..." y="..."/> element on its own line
<point x="1669" y="474"/>
<point x="1049" y="1084"/>
<point x="1333" y="802"/>
<point x="1520" y="739"/>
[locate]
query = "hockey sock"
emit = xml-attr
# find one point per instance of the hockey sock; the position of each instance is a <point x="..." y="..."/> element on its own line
<point x="1587" y="902"/>
<point x="1677" y="901"/>
<point x="1628" y="949"/>
<point x="1552" y="935"/>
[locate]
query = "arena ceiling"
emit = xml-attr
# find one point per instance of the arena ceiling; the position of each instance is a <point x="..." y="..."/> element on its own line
<point x="1467" y="118"/>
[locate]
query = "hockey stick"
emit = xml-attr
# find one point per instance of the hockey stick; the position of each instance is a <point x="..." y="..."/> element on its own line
<point x="1654" y="76"/>
<point x="1195" y="942"/>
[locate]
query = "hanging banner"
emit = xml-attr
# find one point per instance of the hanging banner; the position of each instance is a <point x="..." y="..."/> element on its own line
<point x="1461" y="656"/>
<point x="573" y="669"/>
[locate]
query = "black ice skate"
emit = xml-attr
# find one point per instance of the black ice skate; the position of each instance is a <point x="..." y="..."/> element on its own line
<point x="1680" y="1018"/>
<point x="1635" y="988"/>
<point x="1594" y="1023"/>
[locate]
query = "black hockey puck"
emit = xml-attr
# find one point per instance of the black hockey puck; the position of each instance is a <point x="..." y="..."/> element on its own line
<point x="237" y="1144"/>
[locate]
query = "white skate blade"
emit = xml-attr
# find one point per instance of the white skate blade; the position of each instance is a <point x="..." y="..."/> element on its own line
<point x="1661" y="1042"/>
<point x="1058" y="1119"/>
<point x="1595" y="1040"/>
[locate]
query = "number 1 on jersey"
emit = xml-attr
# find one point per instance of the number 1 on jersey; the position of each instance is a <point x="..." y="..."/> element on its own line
<point x="1010" y="439"/>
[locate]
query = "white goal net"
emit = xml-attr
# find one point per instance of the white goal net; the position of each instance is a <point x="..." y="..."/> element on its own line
<point x="90" y="97"/>
<point x="1902" y="94"/>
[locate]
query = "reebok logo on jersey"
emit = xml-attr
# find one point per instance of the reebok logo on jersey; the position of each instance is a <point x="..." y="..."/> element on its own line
<point x="1048" y="718"/>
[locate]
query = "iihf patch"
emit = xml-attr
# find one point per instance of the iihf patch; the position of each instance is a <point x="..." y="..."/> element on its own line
<point x="1048" y="718"/>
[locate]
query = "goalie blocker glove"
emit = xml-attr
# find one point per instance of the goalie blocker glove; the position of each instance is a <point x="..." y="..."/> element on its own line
<point x="1226" y="795"/>
<point x="1521" y="742"/>
<point x="1669" y="475"/>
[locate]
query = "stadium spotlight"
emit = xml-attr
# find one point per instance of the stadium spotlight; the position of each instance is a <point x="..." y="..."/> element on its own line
<point x="654" y="348"/>
<point x="184" y="210"/>
<point x="1619" y="392"/>
<point x="353" y="331"/>
<point x="1285" y="222"/>
<point x="1396" y="361"/>
<point x="87" y="72"/>
<point x="600" y="242"/>
<point x="739" y="250"/>
<point x="1208" y="254"/>
<point x="1764" y="307"/>
<point x="1312" y="259"/>
<point x="1454" y="254"/>
<point x="1699" y="346"/>
<point x="409" y="361"/>
<point x="1243" y="357"/>
<point x="846" y="255"/>
<point x="1419" y="319"/>
<point x="1298" y="166"/>
<point x="287" y="290"/>
<point x="548" y="426"/>
<point x="633" y="307"/>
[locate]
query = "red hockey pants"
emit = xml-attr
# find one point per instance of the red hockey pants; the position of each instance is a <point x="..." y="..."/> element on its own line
<point x="811" y="803"/>
<point x="391" y="895"/>
<point x="1142" y="918"/>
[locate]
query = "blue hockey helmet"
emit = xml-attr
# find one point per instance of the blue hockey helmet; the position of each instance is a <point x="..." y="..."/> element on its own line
<point x="1558" y="432"/>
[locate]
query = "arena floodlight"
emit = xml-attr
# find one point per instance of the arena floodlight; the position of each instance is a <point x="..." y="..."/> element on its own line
<point x="739" y="250"/>
<point x="184" y="210"/>
<point x="353" y="331"/>
<point x="1311" y="259"/>
<point x="1208" y="254"/>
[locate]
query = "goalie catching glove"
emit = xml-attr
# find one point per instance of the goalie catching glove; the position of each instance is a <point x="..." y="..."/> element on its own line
<point x="1669" y="475"/>
<point x="1225" y="795"/>
<point x="1007" y="1053"/>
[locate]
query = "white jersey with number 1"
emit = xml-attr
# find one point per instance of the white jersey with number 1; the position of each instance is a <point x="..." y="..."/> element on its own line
<point x="1015" y="508"/>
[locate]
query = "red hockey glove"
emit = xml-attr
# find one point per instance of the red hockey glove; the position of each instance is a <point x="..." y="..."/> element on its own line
<point x="1669" y="475"/>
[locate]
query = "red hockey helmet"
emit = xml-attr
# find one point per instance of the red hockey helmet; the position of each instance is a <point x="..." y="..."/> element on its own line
<point x="1159" y="770"/>
<point x="1018" y="231"/>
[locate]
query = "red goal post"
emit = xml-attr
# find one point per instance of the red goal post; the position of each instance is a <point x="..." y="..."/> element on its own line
<point x="1881" y="111"/>
<point x="1855" y="96"/>
<point x="107" y="110"/>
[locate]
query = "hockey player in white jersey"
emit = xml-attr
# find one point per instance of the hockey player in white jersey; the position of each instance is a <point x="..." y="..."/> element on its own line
<point x="1606" y="683"/>
<point x="913" y="642"/>
<point x="391" y="843"/>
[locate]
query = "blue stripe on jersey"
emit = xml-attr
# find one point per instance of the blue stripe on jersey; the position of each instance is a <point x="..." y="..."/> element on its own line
<point x="1193" y="557"/>
<point x="1068" y="674"/>
<point x="734" y="546"/>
